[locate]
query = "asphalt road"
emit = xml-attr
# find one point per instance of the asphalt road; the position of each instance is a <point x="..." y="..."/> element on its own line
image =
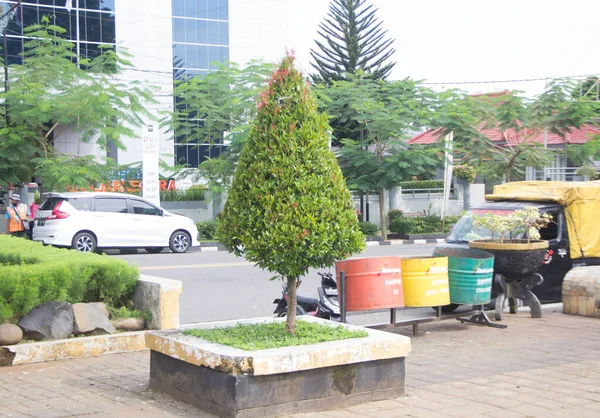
<point x="219" y="286"/>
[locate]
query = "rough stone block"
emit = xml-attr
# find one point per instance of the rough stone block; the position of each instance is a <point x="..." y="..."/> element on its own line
<point x="91" y="318"/>
<point x="10" y="334"/>
<point x="581" y="291"/>
<point x="49" y="321"/>
<point x="160" y="297"/>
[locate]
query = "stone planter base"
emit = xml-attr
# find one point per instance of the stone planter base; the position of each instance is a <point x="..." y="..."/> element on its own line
<point x="230" y="382"/>
<point x="227" y="395"/>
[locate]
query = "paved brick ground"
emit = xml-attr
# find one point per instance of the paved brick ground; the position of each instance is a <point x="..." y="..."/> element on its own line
<point x="548" y="367"/>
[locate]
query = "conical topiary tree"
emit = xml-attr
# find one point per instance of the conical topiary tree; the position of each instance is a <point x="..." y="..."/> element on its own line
<point x="289" y="209"/>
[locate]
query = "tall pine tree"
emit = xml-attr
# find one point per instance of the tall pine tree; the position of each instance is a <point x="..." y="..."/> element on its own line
<point x="353" y="40"/>
<point x="288" y="208"/>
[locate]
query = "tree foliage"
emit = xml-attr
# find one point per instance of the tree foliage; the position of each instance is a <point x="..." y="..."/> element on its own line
<point x="288" y="208"/>
<point x="55" y="93"/>
<point x="353" y="40"/>
<point x="523" y="122"/>
<point x="217" y="109"/>
<point x="387" y="112"/>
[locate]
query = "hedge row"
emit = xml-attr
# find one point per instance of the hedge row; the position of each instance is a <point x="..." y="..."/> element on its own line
<point x="32" y="274"/>
<point x="421" y="224"/>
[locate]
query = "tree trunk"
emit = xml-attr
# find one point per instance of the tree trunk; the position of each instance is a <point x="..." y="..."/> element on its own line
<point x="290" y="323"/>
<point x="382" y="214"/>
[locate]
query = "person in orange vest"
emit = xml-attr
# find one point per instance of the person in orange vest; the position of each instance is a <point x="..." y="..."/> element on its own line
<point x="17" y="214"/>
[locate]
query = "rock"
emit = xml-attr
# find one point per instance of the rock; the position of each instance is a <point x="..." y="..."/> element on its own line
<point x="129" y="324"/>
<point x="49" y="321"/>
<point x="10" y="334"/>
<point x="91" y="318"/>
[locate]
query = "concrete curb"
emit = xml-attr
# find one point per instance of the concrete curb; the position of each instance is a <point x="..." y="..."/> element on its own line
<point x="12" y="355"/>
<point x="218" y="247"/>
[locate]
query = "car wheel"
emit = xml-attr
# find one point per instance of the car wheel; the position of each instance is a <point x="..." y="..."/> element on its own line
<point x="153" y="250"/>
<point x="84" y="242"/>
<point x="179" y="242"/>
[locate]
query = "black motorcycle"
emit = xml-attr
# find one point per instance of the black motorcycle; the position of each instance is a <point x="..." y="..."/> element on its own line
<point x="326" y="306"/>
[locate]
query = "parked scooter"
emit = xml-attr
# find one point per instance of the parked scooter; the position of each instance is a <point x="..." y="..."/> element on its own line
<point x="326" y="306"/>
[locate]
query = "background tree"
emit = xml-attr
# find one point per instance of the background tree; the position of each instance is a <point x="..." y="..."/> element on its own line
<point x="353" y="40"/>
<point x="289" y="209"/>
<point x="389" y="112"/>
<point x="51" y="95"/>
<point x="217" y="109"/>
<point x="523" y="122"/>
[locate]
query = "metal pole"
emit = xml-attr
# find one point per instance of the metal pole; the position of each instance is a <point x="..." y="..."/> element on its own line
<point x="77" y="29"/>
<point x="342" y="296"/>
<point x="6" y="115"/>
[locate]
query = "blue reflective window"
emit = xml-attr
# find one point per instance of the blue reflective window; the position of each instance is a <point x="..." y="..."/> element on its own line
<point x="224" y="10"/>
<point x="213" y="56"/>
<point x="107" y="5"/>
<point x="190" y="8"/>
<point x="223" y="33"/>
<point x="178" y="8"/>
<point x="181" y="153"/>
<point x="191" y="32"/>
<point x="202" y="31"/>
<point x="202" y="9"/>
<point x="191" y="56"/>
<point x="203" y="59"/>
<point x="213" y="32"/>
<point x="178" y="55"/>
<point x="178" y="30"/>
<point x="224" y="52"/>
<point x="213" y="9"/>
<point x="108" y="28"/>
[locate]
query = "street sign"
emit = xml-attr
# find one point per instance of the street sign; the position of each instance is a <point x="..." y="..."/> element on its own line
<point x="150" y="180"/>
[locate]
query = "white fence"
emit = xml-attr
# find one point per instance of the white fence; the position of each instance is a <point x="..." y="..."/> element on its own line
<point x="426" y="201"/>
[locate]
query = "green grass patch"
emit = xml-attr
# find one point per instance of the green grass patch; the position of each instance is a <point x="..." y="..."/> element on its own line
<point x="125" y="312"/>
<point x="253" y="337"/>
<point x="32" y="274"/>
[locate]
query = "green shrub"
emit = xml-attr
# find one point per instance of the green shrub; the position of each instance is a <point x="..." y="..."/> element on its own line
<point x="422" y="225"/>
<point x="32" y="274"/>
<point x="206" y="230"/>
<point x="368" y="228"/>
<point x="401" y="226"/>
<point x="393" y="214"/>
<point x="422" y="184"/>
<point x="194" y="193"/>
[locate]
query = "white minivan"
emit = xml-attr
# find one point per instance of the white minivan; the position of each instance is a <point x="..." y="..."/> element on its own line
<point x="87" y="221"/>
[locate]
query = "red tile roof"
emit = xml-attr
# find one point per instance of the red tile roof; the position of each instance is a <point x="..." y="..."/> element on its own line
<point x="512" y="137"/>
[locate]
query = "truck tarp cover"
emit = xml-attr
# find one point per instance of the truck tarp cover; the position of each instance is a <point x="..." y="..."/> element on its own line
<point x="582" y="208"/>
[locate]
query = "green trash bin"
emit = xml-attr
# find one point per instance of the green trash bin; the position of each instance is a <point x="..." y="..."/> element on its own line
<point x="470" y="275"/>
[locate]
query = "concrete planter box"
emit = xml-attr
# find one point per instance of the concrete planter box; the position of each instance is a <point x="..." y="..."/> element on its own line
<point x="152" y="294"/>
<point x="230" y="382"/>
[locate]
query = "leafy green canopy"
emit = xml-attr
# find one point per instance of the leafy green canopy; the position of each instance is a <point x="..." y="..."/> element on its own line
<point x="216" y="108"/>
<point x="56" y="93"/>
<point x="289" y="208"/>
<point x="353" y="40"/>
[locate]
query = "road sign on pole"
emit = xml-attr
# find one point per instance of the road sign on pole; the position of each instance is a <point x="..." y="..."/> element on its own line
<point x="150" y="181"/>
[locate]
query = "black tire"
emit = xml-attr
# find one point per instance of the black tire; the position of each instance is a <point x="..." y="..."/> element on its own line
<point x="283" y="312"/>
<point x="154" y="250"/>
<point x="448" y="309"/>
<point x="84" y="242"/>
<point x="179" y="242"/>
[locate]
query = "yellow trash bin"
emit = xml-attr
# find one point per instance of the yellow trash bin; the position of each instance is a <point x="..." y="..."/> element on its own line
<point x="425" y="281"/>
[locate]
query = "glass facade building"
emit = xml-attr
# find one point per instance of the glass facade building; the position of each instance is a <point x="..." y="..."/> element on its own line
<point x="95" y="20"/>
<point x="200" y="39"/>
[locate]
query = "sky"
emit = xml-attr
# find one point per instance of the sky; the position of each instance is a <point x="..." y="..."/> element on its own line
<point x="442" y="41"/>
